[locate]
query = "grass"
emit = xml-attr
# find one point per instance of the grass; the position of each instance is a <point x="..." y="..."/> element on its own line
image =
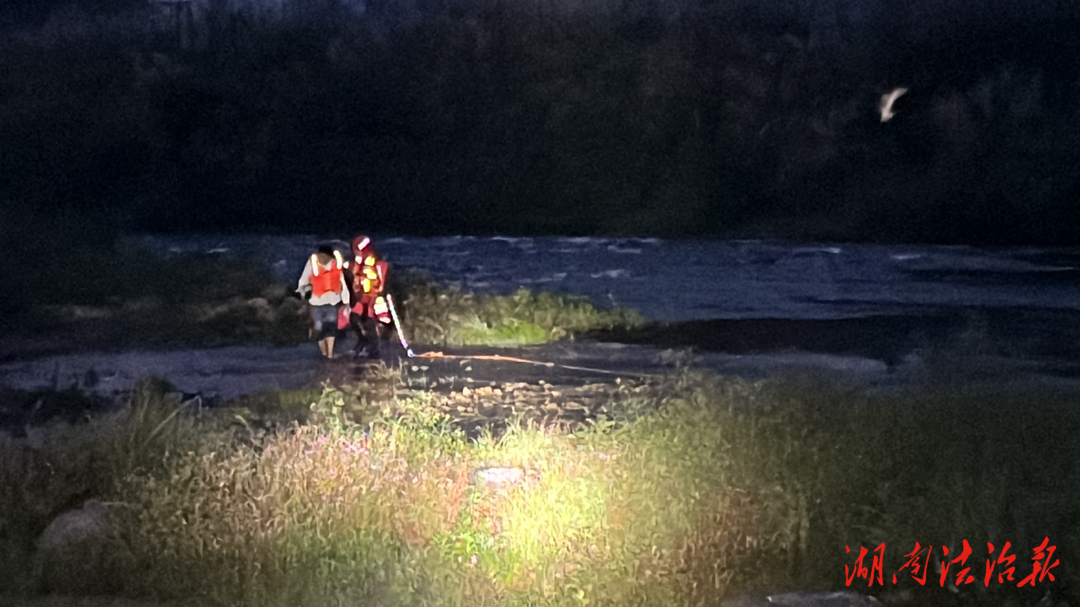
<point x="703" y="489"/>
<point x="438" y="315"/>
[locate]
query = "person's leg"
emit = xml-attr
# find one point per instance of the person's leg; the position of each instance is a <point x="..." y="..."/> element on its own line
<point x="325" y="324"/>
<point x="313" y="323"/>
<point x="356" y="321"/>
<point x="376" y="337"/>
<point x="371" y="336"/>
<point x="315" y="328"/>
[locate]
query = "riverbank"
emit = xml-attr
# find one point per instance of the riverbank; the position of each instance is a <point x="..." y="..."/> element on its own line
<point x="683" y="488"/>
<point x="1014" y="351"/>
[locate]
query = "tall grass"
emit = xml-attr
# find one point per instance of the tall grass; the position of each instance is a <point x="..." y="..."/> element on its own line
<point x="706" y="488"/>
<point x="393" y="512"/>
<point x="62" y="464"/>
<point x="441" y="315"/>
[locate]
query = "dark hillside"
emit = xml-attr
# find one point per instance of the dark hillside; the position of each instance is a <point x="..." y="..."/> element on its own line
<point x="675" y="118"/>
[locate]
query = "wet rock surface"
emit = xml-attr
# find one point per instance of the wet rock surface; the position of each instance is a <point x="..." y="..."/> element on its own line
<point x="563" y="382"/>
<point x="476" y="393"/>
<point x="565" y="405"/>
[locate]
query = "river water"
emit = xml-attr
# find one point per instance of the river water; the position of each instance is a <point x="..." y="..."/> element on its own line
<point x="879" y="315"/>
<point x="678" y="280"/>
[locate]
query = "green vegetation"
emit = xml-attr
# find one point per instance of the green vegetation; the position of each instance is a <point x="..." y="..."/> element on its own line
<point x="432" y="314"/>
<point x="698" y="489"/>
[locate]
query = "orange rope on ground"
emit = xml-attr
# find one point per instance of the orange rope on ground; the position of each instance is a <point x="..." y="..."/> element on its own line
<point x="484" y="357"/>
<point x="511" y="359"/>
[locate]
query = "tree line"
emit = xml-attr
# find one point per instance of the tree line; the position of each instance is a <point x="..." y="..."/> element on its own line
<point x="688" y="117"/>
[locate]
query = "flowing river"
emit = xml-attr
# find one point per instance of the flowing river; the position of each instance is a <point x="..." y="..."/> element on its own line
<point x="880" y="315"/>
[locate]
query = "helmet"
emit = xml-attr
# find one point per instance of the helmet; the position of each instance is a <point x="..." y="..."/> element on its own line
<point x="360" y="244"/>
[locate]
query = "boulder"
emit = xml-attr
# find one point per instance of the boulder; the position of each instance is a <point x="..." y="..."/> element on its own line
<point x="294" y="306"/>
<point x="500" y="477"/>
<point x="276" y="292"/>
<point x="81" y="553"/>
<point x="263" y="310"/>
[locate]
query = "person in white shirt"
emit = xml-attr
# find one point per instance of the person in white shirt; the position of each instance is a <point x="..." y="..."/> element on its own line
<point x="323" y="285"/>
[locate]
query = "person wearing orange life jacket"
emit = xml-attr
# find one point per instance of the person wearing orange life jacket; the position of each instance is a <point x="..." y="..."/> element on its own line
<point x="370" y="315"/>
<point x="323" y="284"/>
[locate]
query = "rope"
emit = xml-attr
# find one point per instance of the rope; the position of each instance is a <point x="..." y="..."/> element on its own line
<point x="511" y="359"/>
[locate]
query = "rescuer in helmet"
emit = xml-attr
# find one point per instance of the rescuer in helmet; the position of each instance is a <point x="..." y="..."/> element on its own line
<point x="323" y="285"/>
<point x="370" y="314"/>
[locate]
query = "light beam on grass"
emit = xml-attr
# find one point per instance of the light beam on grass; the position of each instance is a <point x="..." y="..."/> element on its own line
<point x="654" y="510"/>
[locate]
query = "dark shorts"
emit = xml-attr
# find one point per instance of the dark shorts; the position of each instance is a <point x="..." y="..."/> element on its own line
<point x="324" y="321"/>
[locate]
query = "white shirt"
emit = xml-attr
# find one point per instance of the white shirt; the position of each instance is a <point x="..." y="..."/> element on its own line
<point x="329" y="298"/>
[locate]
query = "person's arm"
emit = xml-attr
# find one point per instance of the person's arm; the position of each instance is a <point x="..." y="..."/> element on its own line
<point x="350" y="280"/>
<point x="344" y="290"/>
<point x="381" y="268"/>
<point x="304" y="286"/>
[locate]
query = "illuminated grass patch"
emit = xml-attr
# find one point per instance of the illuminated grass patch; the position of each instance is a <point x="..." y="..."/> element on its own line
<point x="434" y="314"/>
<point x="700" y="489"/>
<point x="406" y="510"/>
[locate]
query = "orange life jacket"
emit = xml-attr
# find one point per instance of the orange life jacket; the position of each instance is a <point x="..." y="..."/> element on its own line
<point x="326" y="280"/>
<point x="369" y="278"/>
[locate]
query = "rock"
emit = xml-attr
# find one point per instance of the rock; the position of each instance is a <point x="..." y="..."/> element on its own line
<point x="805" y="599"/>
<point x="296" y="305"/>
<point x="263" y="310"/>
<point x="80" y="553"/>
<point x="75" y="526"/>
<point x="500" y="477"/>
<point x="275" y="292"/>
